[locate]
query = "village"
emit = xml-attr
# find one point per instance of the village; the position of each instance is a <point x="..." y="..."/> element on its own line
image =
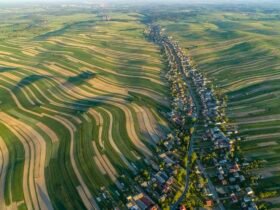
<point x="199" y="118"/>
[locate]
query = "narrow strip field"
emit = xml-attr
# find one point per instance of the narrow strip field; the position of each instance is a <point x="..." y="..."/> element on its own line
<point x="82" y="106"/>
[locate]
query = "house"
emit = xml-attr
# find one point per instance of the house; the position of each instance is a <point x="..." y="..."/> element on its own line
<point x="207" y="192"/>
<point x="234" y="198"/>
<point x="159" y="179"/>
<point x="237" y="188"/>
<point x="140" y="202"/>
<point x="221" y="170"/>
<point x="209" y="203"/>
<point x="168" y="145"/>
<point x="166" y="159"/>
<point x="182" y="207"/>
<point x="253" y="206"/>
<point x="220" y="177"/>
<point x="224" y="182"/>
<point x="242" y="178"/>
<point x="144" y="184"/>
<point x="162" y="198"/>
<point x="232" y="179"/>
<point x="246" y="199"/>
<point x="249" y="191"/>
<point x="236" y="175"/>
<point x="165" y="188"/>
<point x="154" y="165"/>
<point x="244" y="205"/>
<point x="170" y="181"/>
<point x="245" y="164"/>
<point x="155" y="207"/>
<point x="222" y="162"/>
<point x="234" y="168"/>
<point x="221" y="190"/>
<point x="130" y="206"/>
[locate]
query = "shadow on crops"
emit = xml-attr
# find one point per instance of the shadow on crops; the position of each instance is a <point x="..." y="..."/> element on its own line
<point x="6" y="69"/>
<point x="66" y="28"/>
<point x="81" y="78"/>
<point x="28" y="81"/>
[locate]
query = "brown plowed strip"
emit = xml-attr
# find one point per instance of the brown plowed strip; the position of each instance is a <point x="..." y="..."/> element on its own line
<point x="99" y="165"/>
<point x="37" y="149"/>
<point x="113" y="144"/>
<point x="33" y="95"/>
<point x="79" y="93"/>
<point x="18" y="103"/>
<point x="59" y="70"/>
<point x="28" y="184"/>
<point x="107" y="166"/>
<point x="4" y="161"/>
<point x="86" y="196"/>
<point x="99" y="122"/>
<point x="149" y="127"/>
<point x="48" y="131"/>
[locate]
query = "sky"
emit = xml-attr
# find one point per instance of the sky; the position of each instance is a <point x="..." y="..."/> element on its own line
<point x="244" y="1"/>
<point x="138" y="1"/>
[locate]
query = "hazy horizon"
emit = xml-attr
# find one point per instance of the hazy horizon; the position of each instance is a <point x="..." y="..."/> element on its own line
<point x="138" y="1"/>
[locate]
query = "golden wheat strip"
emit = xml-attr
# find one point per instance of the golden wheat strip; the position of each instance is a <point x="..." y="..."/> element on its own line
<point x="4" y="161"/>
<point x="113" y="144"/>
<point x="86" y="196"/>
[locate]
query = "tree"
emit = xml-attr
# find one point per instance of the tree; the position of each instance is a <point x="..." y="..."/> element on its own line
<point x="185" y="160"/>
<point x="186" y="139"/>
<point x="194" y="119"/>
<point x="146" y="174"/>
<point x="201" y="180"/>
<point x="181" y="175"/>
<point x="263" y="206"/>
<point x="177" y="196"/>
<point x="193" y="157"/>
<point x="161" y="165"/>
<point x="268" y="194"/>
<point x="191" y="130"/>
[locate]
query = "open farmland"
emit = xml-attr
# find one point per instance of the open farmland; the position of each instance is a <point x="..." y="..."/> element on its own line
<point x="238" y="50"/>
<point x="139" y="106"/>
<point x="82" y="104"/>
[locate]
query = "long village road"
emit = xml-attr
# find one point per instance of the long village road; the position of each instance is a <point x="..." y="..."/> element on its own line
<point x="190" y="151"/>
<point x="198" y="111"/>
<point x="197" y="104"/>
<point x="210" y="185"/>
<point x="186" y="187"/>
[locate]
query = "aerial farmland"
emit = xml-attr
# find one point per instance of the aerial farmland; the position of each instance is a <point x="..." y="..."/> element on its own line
<point x="112" y="105"/>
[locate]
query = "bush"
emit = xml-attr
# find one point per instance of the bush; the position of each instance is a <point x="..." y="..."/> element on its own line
<point x="268" y="194"/>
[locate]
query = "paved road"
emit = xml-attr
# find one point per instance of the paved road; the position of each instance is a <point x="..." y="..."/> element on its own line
<point x="190" y="151"/>
<point x="197" y="105"/>
<point x="210" y="185"/>
<point x="186" y="187"/>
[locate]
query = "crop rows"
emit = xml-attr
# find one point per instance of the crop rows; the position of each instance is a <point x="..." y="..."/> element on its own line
<point x="80" y="109"/>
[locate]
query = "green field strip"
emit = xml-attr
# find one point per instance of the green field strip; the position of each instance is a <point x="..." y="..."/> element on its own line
<point x="13" y="190"/>
<point x="136" y="57"/>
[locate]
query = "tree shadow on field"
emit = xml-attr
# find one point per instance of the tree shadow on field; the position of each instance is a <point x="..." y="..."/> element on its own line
<point x="28" y="81"/>
<point x="126" y="176"/>
<point x="6" y="69"/>
<point x="81" y="78"/>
